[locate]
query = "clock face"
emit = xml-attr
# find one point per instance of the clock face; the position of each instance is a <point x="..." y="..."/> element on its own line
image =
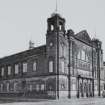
<point x="51" y="44"/>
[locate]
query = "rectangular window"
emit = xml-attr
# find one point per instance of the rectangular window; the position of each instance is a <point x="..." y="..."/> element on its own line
<point x="7" y="87"/>
<point x="16" y="68"/>
<point x="2" y="71"/>
<point x="42" y="86"/>
<point x="62" y="66"/>
<point x="24" y="67"/>
<point x="9" y="70"/>
<point x="15" y="86"/>
<point x="30" y="87"/>
<point x="1" y="87"/>
<point x="50" y="66"/>
<point x="34" y="66"/>
<point x="37" y="87"/>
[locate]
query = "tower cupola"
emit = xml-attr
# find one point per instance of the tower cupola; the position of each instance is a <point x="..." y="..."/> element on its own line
<point x="55" y="22"/>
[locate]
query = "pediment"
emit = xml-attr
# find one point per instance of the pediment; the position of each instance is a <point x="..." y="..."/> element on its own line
<point x="84" y="36"/>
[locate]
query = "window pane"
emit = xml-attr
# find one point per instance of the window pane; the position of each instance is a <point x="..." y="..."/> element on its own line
<point x="62" y="66"/>
<point x="9" y="70"/>
<point x="16" y="68"/>
<point x="15" y="86"/>
<point x="2" y="71"/>
<point x="1" y="87"/>
<point x="42" y="86"/>
<point x="30" y="87"/>
<point x="24" y="67"/>
<point x="83" y="55"/>
<point x="50" y="66"/>
<point x="37" y="87"/>
<point x="34" y="66"/>
<point x="7" y="87"/>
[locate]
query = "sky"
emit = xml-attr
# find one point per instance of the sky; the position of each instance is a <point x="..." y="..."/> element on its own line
<point x="24" y="20"/>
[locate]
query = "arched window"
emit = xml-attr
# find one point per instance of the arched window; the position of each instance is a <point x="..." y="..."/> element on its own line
<point x="60" y="27"/>
<point x="62" y="50"/>
<point x="52" y="27"/>
<point x="50" y="66"/>
<point x="34" y="66"/>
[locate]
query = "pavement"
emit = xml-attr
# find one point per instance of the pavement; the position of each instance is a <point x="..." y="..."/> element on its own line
<point x="74" y="101"/>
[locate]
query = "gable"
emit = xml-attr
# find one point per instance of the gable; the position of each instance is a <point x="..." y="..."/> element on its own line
<point x="84" y="36"/>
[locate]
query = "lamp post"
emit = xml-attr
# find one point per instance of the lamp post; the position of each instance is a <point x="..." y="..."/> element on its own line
<point x="69" y="33"/>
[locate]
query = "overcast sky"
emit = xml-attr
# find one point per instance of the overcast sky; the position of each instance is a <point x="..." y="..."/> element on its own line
<point x="24" y="20"/>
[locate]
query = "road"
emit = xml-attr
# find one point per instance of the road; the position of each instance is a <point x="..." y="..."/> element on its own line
<point x="86" y="101"/>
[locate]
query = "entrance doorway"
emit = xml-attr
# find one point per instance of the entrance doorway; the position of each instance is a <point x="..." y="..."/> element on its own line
<point x="84" y="87"/>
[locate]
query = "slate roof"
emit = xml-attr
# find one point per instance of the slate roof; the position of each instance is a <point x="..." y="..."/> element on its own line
<point x="23" y="54"/>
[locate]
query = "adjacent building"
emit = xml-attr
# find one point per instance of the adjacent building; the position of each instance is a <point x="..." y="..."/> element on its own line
<point x="69" y="65"/>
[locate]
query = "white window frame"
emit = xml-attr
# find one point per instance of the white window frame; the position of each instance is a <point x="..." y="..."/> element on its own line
<point x="24" y="67"/>
<point x="51" y="63"/>
<point x="16" y="68"/>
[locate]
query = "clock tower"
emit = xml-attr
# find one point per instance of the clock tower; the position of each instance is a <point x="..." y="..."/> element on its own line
<point x="55" y="39"/>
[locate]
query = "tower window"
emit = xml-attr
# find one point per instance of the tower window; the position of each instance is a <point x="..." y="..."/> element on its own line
<point x="50" y="66"/>
<point x="52" y="27"/>
<point x="60" y="27"/>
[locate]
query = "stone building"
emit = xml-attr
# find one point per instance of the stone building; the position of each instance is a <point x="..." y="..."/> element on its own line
<point x="67" y="66"/>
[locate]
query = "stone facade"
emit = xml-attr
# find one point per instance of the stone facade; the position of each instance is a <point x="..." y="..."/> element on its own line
<point x="69" y="65"/>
